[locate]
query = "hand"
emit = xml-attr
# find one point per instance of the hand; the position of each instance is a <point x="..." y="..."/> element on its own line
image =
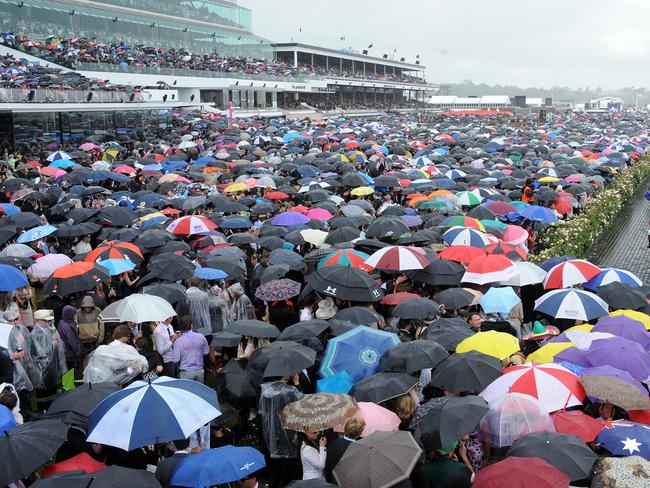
<point x="322" y="442"/>
<point x="400" y="279"/>
<point x="17" y="355"/>
<point x="174" y="337"/>
<point x="295" y="378"/>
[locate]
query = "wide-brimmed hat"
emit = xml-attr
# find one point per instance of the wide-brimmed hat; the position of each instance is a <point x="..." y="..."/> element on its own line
<point x="326" y="309"/>
<point x="541" y="332"/>
<point x="43" y="315"/>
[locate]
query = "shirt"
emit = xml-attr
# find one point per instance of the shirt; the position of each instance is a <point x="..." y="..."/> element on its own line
<point x="82" y="248"/>
<point x="189" y="350"/>
<point x="164" y="345"/>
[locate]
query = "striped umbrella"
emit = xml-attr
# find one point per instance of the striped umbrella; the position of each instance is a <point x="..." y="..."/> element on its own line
<point x="612" y="275"/>
<point x="191" y="225"/>
<point x="115" y="250"/>
<point x="465" y="236"/>
<point x="468" y="198"/>
<point x="515" y="253"/>
<point x="75" y="277"/>
<point x="492" y="268"/>
<point x="570" y="273"/>
<point x="346" y="257"/>
<point x="398" y="258"/>
<point x="462" y="221"/>
<point x="571" y="304"/>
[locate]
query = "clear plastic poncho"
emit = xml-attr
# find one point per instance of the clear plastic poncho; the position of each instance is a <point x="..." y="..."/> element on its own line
<point x="48" y="352"/>
<point x="26" y="374"/>
<point x="115" y="363"/>
<point x="281" y="443"/>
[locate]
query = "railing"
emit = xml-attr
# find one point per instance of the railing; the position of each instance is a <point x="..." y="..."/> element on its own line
<point x="45" y="95"/>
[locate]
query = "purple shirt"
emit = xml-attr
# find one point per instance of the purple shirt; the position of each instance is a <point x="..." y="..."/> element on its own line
<point x="189" y="350"/>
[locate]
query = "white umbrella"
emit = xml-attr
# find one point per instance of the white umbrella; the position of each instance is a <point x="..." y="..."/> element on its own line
<point x="5" y="329"/>
<point x="139" y="308"/>
<point x="529" y="274"/>
<point x="18" y="251"/>
<point x="186" y="145"/>
<point x="314" y="236"/>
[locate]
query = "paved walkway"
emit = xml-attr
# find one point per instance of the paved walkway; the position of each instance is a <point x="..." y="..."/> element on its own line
<point x="627" y="248"/>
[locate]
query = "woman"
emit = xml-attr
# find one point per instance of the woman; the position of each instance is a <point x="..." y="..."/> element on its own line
<point x="241" y="307"/>
<point x="313" y="454"/>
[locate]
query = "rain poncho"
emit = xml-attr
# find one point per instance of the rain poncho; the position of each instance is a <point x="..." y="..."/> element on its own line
<point x="241" y="307"/>
<point x="26" y="374"/>
<point x="281" y="443"/>
<point x="49" y="355"/>
<point x="115" y="363"/>
<point x="218" y="309"/>
<point x="198" y="304"/>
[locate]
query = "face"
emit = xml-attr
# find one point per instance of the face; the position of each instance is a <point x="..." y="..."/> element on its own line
<point x="475" y="322"/>
<point x="312" y="436"/>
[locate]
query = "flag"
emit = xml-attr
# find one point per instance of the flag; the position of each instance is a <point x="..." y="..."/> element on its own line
<point x="342" y="38"/>
<point x="370" y="46"/>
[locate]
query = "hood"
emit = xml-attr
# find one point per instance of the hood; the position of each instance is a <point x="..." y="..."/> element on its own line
<point x="87" y="301"/>
<point x="236" y="290"/>
<point x="68" y="313"/>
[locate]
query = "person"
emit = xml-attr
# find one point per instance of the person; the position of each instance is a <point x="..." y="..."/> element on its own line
<point x="189" y="351"/>
<point x="69" y="333"/>
<point x="24" y="303"/>
<point x="164" y="338"/>
<point x="313" y="453"/>
<point x="198" y="304"/>
<point x="25" y="373"/>
<point x="475" y="320"/>
<point x="326" y="309"/>
<point x="91" y="326"/>
<point x="443" y="464"/>
<point x="352" y="432"/>
<point x="6" y="366"/>
<point x="241" y="307"/>
<point x="154" y="360"/>
<point x="49" y="356"/>
<point x="528" y="193"/>
<point x="165" y="468"/>
<point x="83" y="246"/>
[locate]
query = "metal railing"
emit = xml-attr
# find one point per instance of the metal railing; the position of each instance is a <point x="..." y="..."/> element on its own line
<point x="46" y="95"/>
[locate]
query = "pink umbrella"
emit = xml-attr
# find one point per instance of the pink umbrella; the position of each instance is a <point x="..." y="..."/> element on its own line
<point x="319" y="214"/>
<point x="514" y="235"/>
<point x="377" y="418"/>
<point x="124" y="169"/>
<point x="53" y="171"/>
<point x="48" y="264"/>
<point x="89" y="146"/>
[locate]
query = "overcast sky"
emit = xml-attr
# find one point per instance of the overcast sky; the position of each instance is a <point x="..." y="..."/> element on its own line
<point x="528" y="43"/>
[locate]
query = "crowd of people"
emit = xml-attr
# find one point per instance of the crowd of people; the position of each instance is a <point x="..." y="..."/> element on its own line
<point x="320" y="303"/>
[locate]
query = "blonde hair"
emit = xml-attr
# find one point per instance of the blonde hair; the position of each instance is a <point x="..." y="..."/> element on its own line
<point x="404" y="406"/>
<point x="354" y="427"/>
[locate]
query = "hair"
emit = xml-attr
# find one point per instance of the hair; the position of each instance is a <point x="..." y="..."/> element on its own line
<point x="194" y="282"/>
<point x="471" y="315"/>
<point x="185" y="323"/>
<point x="182" y="444"/>
<point x="143" y="344"/>
<point x="8" y="398"/>
<point x="404" y="406"/>
<point x="121" y="331"/>
<point x="354" y="427"/>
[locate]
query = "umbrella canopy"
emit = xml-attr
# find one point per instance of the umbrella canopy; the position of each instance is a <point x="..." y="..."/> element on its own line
<point x="76" y="404"/>
<point x="282" y="358"/>
<point x="570" y="273"/>
<point x="358" y="352"/>
<point x="409" y="357"/>
<point x="499" y="300"/>
<point x="254" y="328"/>
<point x="469" y="371"/>
<point x="346" y="257"/>
<point x="492" y="268"/>
<point x="140" y="308"/>
<point x="151" y="412"/>
<point x="454" y="298"/>
<point x="465" y="236"/>
<point x="48" y="264"/>
<point x="624" y="472"/>
<point x="577" y="423"/>
<point x="380" y="460"/>
<point x="451" y="419"/>
<point x="191" y="225"/>
<point x="36" y="233"/>
<point x="612" y="275"/>
<point x="521" y="472"/>
<point x="416" y="309"/>
<point x="317" y="412"/>
<point x="80" y="462"/>
<point x="625" y="438"/>
<point x="571" y="304"/>
<point x="115" y="250"/>
<point x="382" y="387"/>
<point x="398" y="258"/>
<point x="345" y="283"/>
<point x="376" y="417"/>
<point x="277" y="290"/>
<point x="75" y="277"/>
<point x="11" y="278"/>
<point x="448" y="332"/>
<point x="622" y="296"/>
<point x="496" y="344"/>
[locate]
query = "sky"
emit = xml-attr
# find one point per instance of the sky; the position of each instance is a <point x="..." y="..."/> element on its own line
<point x="528" y="43"/>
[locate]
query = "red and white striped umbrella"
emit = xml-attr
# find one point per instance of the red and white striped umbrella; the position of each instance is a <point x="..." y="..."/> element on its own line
<point x="492" y="268"/>
<point x="191" y="225"/>
<point x="553" y="385"/>
<point x="570" y="273"/>
<point x="398" y="258"/>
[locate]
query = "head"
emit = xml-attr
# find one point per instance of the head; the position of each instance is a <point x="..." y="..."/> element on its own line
<point x="11" y="318"/>
<point x="193" y="282"/>
<point x="354" y="427"/>
<point x="122" y="333"/>
<point x="43" y="317"/>
<point x="474" y="320"/>
<point x="181" y="444"/>
<point x="87" y="304"/>
<point x="186" y="323"/>
<point x="404" y="406"/>
<point x="86" y="238"/>
<point x="68" y="313"/>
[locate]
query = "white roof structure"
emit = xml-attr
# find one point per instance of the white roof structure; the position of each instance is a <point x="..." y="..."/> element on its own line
<point x="489" y="100"/>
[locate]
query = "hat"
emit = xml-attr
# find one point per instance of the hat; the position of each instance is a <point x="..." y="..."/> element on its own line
<point x="541" y="332"/>
<point x="43" y="315"/>
<point x="326" y="309"/>
<point x="87" y="302"/>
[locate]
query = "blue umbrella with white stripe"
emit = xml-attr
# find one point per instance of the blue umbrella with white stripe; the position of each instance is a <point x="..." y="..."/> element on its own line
<point x="150" y="412"/>
<point x="537" y="213"/>
<point x="465" y="236"/>
<point x="571" y="304"/>
<point x="612" y="275"/>
<point x="36" y="233"/>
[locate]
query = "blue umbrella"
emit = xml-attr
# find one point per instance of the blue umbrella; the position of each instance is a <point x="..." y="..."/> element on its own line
<point x="150" y="412"/>
<point x="611" y="275"/>
<point x="290" y="218"/>
<point x="63" y="163"/>
<point x="153" y="221"/>
<point x="11" y="278"/>
<point x="357" y="352"/>
<point x="210" y="274"/>
<point x="7" y="421"/>
<point x="499" y="300"/>
<point x="466" y="236"/>
<point x="9" y="209"/>
<point x="341" y="382"/>
<point x="217" y="466"/>
<point x="36" y="233"/>
<point x="571" y="304"/>
<point x="624" y="438"/>
<point x="539" y="214"/>
<point x="117" y="266"/>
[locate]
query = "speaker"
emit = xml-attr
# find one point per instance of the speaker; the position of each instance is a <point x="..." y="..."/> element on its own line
<point x="132" y="97"/>
<point x="365" y="51"/>
<point x="89" y="97"/>
<point x="402" y="59"/>
<point x="192" y="98"/>
<point x="31" y="95"/>
<point x="417" y="62"/>
<point x="164" y="98"/>
<point x="173" y="96"/>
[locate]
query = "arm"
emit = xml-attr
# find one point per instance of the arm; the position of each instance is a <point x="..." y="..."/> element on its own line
<point x="177" y="352"/>
<point x="314" y="458"/>
<point x="163" y="343"/>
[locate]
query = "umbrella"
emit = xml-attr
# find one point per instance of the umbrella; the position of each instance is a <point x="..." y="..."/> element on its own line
<point x="622" y="354"/>
<point x="28" y="446"/>
<point x="612" y="385"/>
<point x="577" y="423"/>
<point x="380" y="460"/>
<point x="554" y="386"/>
<point x="210" y="274"/>
<point x="397" y="298"/>
<point x="625" y="438"/>
<point x="345" y="283"/>
<point x="376" y="417"/>
<point x="622" y="296"/>
<point x="277" y="290"/>
<point x="149" y="412"/>
<point x="528" y="274"/>
<point x="521" y="472"/>
<point x="317" y="412"/>
<point x="465" y="236"/>
<point x="282" y="358"/>
<point x="358" y="352"/>
<point x="48" y="264"/>
<point x="622" y="472"/>
<point x="440" y="272"/>
<point x="448" y="332"/>
<point x="236" y="380"/>
<point x="223" y="338"/>
<point x="75" y="277"/>
<point x="346" y="257"/>
<point x="254" y="328"/>
<point x="571" y="304"/>
<point x="624" y="327"/>
<point x="398" y="258"/>
<point x="36" y="234"/>
<point x="499" y="300"/>
<point x="454" y="298"/>
<point x="18" y="251"/>
<point x="416" y="309"/>
<point x="76" y="404"/>
<point x="217" y="466"/>
<point x="171" y="267"/>
<point x="117" y="266"/>
<point x="140" y="308"/>
<point x="171" y="292"/>
<point x="489" y="269"/>
<point x="492" y="343"/>
<point x="115" y="250"/>
<point x="286" y="219"/>
<point x="381" y="387"/>
<point x="339" y="383"/>
<point x="612" y="275"/>
<point x="469" y="371"/>
<point x="11" y="278"/>
<point x="570" y="273"/>
<point x="451" y="419"/>
<point x="80" y="462"/>
<point x="410" y="357"/>
<point x="111" y="477"/>
<point x="564" y="451"/>
<point x="304" y="330"/>
<point x="191" y="225"/>
<point x="283" y="256"/>
<point x="513" y="416"/>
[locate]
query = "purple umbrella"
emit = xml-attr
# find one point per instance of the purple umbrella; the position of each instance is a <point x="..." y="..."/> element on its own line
<point x="622" y="354"/>
<point x="573" y="355"/>
<point x="624" y="327"/>
<point x="411" y="220"/>
<point x="286" y="219"/>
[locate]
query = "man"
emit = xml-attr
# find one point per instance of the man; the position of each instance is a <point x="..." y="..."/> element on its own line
<point x="166" y="467"/>
<point x="189" y="350"/>
<point x="336" y="447"/>
<point x="25" y="372"/>
<point x="475" y="320"/>
<point x="83" y="246"/>
<point x="164" y="337"/>
<point x="49" y="355"/>
<point x="198" y="303"/>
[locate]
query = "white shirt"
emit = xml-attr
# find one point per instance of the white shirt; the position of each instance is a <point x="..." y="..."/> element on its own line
<point x="306" y="314"/>
<point x="82" y="248"/>
<point x="313" y="462"/>
<point x="164" y="345"/>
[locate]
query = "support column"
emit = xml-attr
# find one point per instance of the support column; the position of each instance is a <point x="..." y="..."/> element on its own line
<point x="312" y="60"/>
<point x="295" y="59"/>
<point x="274" y="99"/>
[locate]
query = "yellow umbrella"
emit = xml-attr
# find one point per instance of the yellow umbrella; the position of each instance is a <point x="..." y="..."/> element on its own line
<point x="235" y="187"/>
<point x="341" y="157"/>
<point x="547" y="352"/>
<point x="633" y="314"/>
<point x="362" y="190"/>
<point x="549" y="179"/>
<point x="110" y="155"/>
<point x="583" y="327"/>
<point x="496" y="344"/>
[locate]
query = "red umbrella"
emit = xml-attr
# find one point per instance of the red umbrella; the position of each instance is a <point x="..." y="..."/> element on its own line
<point x="115" y="250"/>
<point x="511" y="252"/>
<point x="520" y="472"/>
<point x="577" y="423"/>
<point x="397" y="298"/>
<point x="640" y="416"/>
<point x="489" y="269"/>
<point x="80" y="462"/>
<point x="398" y="258"/>
<point x="563" y="205"/>
<point x="569" y="273"/>
<point x="500" y="208"/>
<point x="276" y="195"/>
<point x="461" y="254"/>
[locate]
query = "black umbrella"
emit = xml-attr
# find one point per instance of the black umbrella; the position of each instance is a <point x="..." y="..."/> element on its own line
<point x="282" y="358"/>
<point x="152" y="238"/>
<point x="76" y="404"/>
<point x="468" y="371"/>
<point x="416" y="309"/>
<point x="236" y="380"/>
<point x="338" y="327"/>
<point x="234" y="268"/>
<point x="451" y="419"/>
<point x="342" y="234"/>
<point x="116" y="216"/>
<point x="313" y="483"/>
<point x="223" y="338"/>
<point x="440" y="272"/>
<point x="78" y="215"/>
<point x="111" y="477"/>
<point x="172" y="292"/>
<point x="382" y="386"/>
<point x="25" y="220"/>
<point x="387" y="227"/>
<point x="274" y="272"/>
<point x="448" y="332"/>
<point x="566" y="452"/>
<point x="242" y="238"/>
<point x="455" y="298"/>
<point x="409" y="357"/>
<point x="345" y="283"/>
<point x="622" y="296"/>
<point x="358" y="315"/>
<point x="17" y="262"/>
<point x="304" y="330"/>
<point x="120" y="234"/>
<point x="171" y="267"/>
<point x="254" y="328"/>
<point x="76" y="230"/>
<point x="7" y="232"/>
<point x="28" y="446"/>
